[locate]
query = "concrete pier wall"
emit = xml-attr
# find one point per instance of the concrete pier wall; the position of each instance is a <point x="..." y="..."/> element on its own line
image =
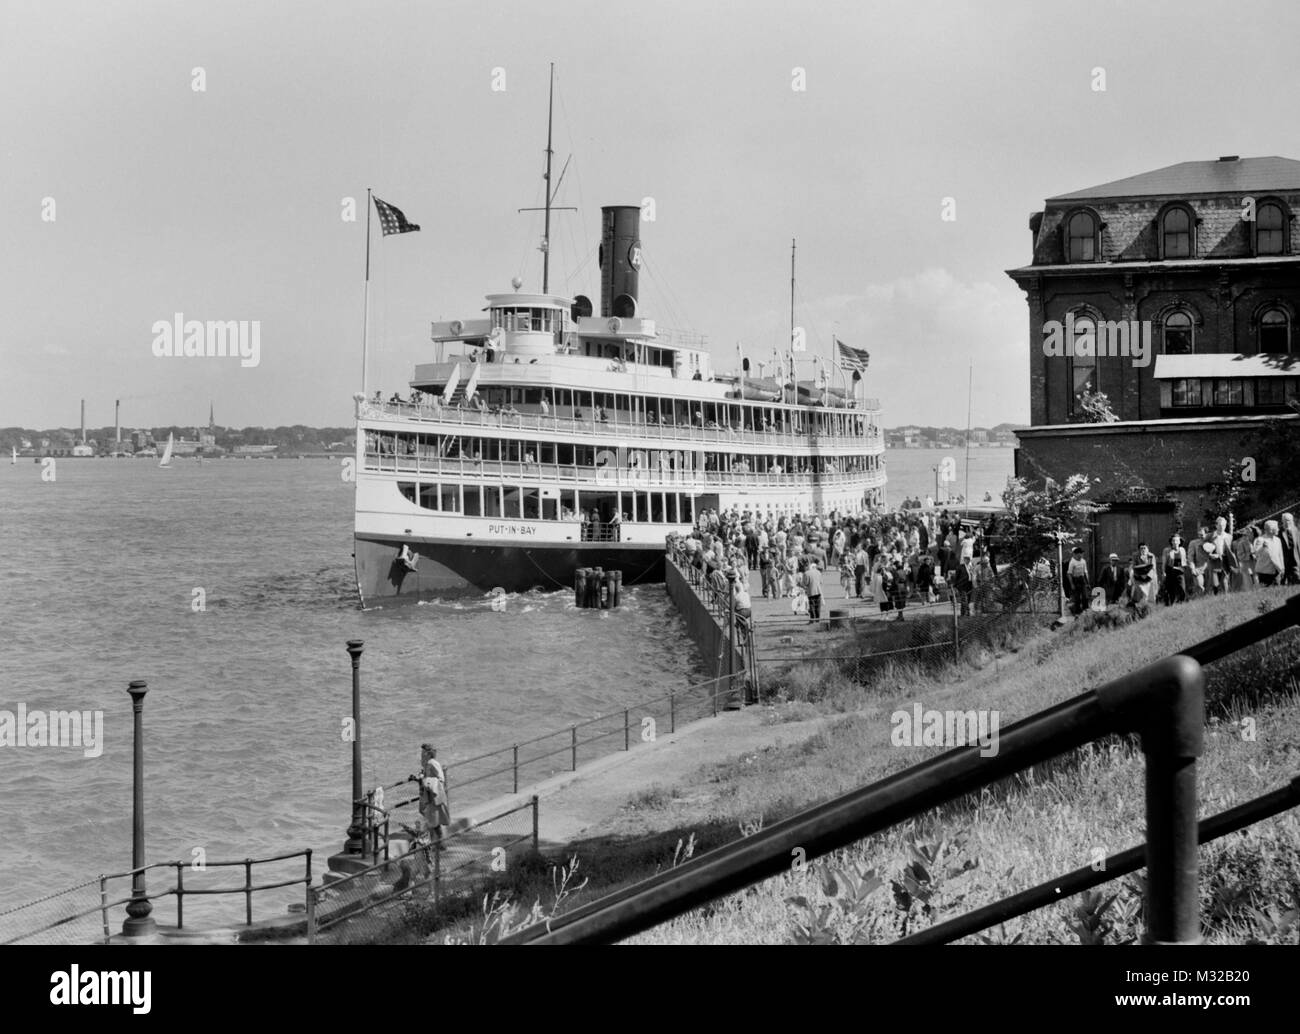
<point x="706" y="632"/>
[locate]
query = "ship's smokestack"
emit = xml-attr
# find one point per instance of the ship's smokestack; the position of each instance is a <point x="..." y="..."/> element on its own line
<point x="117" y="420"/>
<point x="620" y="259"/>
<point x="83" y="421"/>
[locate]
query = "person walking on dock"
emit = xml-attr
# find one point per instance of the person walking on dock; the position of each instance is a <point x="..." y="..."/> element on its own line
<point x="812" y="585"/>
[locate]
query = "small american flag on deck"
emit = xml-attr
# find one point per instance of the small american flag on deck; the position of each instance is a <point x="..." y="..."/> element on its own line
<point x="853" y="358"/>
<point x="391" y="219"/>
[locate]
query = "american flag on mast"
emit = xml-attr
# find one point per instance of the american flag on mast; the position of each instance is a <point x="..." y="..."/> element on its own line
<point x="853" y="358"/>
<point x="391" y="219"/>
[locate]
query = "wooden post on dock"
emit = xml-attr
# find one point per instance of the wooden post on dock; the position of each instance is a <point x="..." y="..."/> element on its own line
<point x="139" y="922"/>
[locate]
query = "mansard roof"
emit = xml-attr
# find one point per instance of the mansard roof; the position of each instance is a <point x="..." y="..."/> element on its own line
<point x="1230" y="175"/>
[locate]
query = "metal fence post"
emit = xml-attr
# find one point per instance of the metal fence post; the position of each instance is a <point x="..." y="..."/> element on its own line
<point x="103" y="903"/>
<point x="311" y="916"/>
<point x="356" y="841"/>
<point x="1173" y="739"/>
<point x="731" y="630"/>
<point x="248" y="891"/>
<point x="180" y="895"/>
<point x="956" y="635"/>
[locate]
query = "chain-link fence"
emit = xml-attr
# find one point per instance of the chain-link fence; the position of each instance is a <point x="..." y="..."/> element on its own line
<point x="370" y="905"/>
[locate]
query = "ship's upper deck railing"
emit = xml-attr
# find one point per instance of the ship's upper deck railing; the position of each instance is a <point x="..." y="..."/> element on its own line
<point x="462" y="467"/>
<point x="619" y="425"/>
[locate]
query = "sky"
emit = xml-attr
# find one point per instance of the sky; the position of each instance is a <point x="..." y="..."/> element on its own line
<point x="227" y="202"/>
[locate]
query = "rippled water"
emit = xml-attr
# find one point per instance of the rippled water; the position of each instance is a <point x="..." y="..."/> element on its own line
<point x="243" y="717"/>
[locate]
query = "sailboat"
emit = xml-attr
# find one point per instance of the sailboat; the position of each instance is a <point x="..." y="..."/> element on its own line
<point x="166" y="460"/>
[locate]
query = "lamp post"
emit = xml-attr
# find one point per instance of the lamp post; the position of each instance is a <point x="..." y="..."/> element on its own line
<point x="356" y="842"/>
<point x="139" y="922"/>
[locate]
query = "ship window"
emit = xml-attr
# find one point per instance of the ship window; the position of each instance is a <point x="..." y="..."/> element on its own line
<point x="407" y="488"/>
<point x="533" y="396"/>
<point x="546" y="452"/>
<point x="450" y="498"/>
<point x="563" y="397"/>
<point x="688" y="510"/>
<point x="511" y="499"/>
<point x="565" y="453"/>
<point x="568" y="504"/>
<point x="429" y="497"/>
<point x="473" y="504"/>
<point x="491" y="500"/>
<point x="642" y="511"/>
<point x="657" y="507"/>
<point x="550" y="509"/>
<point x="510" y="451"/>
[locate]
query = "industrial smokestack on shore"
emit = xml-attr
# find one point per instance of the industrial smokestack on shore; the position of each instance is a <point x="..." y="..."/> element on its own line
<point x="117" y="420"/>
<point x="620" y="259"/>
<point x="83" y="421"/>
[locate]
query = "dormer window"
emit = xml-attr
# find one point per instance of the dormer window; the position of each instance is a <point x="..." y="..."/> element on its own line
<point x="1176" y="228"/>
<point x="1081" y="243"/>
<point x="1270" y="225"/>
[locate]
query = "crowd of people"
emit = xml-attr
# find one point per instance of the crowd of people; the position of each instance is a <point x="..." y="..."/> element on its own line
<point x="1215" y="561"/>
<point x="886" y="557"/>
<point x="893" y="558"/>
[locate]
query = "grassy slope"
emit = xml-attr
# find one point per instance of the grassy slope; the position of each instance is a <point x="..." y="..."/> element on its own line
<point x="1019" y="833"/>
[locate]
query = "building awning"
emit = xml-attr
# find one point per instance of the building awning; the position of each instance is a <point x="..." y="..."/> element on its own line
<point x="1226" y="364"/>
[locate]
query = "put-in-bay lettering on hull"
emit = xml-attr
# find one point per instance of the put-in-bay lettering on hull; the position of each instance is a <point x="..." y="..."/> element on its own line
<point x="511" y="529"/>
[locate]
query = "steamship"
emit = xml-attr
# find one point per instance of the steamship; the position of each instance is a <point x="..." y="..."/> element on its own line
<point x="547" y="438"/>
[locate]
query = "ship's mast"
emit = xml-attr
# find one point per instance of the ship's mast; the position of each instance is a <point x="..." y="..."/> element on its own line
<point x="546" y="231"/>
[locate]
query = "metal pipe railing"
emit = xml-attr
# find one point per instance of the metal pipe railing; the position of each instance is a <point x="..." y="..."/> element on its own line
<point x="1163" y="702"/>
<point x="1211" y="829"/>
<point x="1173" y="687"/>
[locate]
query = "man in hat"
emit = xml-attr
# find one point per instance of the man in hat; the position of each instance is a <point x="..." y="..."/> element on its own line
<point x="812" y="586"/>
<point x="1114" y="579"/>
<point x="434" y="807"/>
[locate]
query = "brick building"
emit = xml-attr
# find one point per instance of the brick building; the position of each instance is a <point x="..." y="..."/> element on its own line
<point x="1176" y="294"/>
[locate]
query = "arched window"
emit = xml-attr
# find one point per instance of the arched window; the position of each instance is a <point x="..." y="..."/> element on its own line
<point x="1274" y="331"/>
<point x="1081" y="238"/>
<point x="1083" y="368"/>
<point x="1177" y="334"/>
<point x="1176" y="234"/>
<point x="1270" y="223"/>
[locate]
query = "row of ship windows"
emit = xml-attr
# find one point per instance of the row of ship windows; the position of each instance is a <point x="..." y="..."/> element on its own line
<point x="1176" y="233"/>
<point x="548" y="504"/>
<point x="462" y="447"/>
<point x="614" y="407"/>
